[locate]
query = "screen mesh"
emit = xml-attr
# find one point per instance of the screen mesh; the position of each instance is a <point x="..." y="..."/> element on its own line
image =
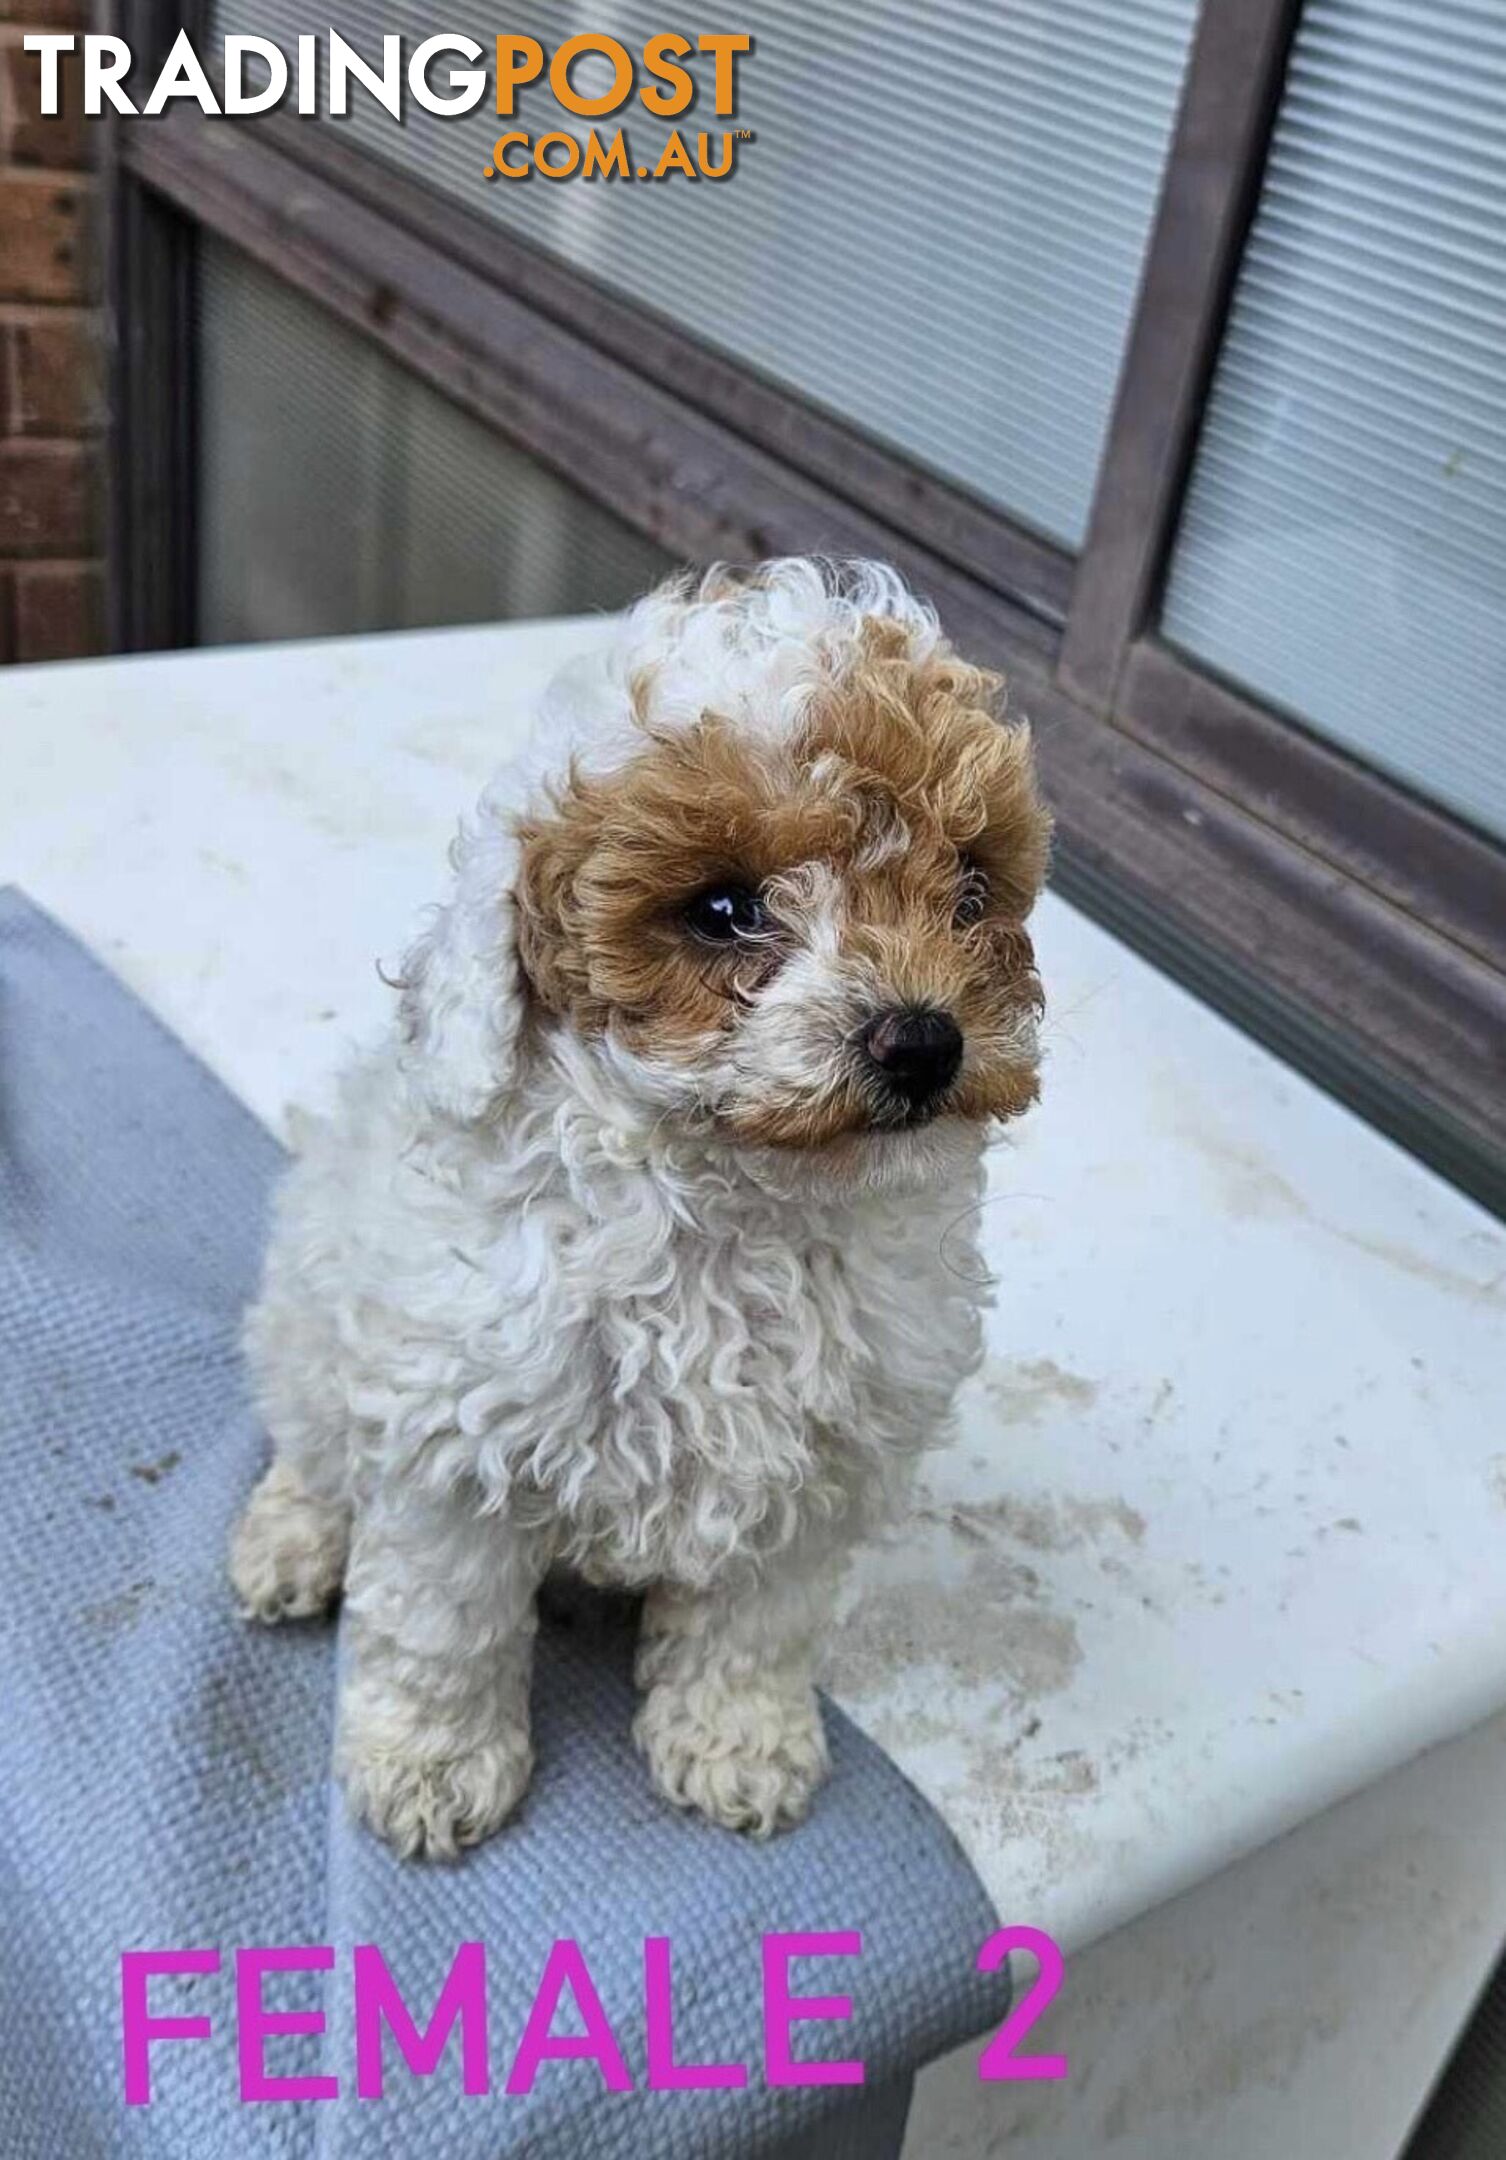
<point x="339" y="493"/>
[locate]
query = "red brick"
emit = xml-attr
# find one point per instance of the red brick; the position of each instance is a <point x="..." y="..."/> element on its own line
<point x="48" y="14"/>
<point x="46" y="236"/>
<point x="59" y="610"/>
<point x="49" y="498"/>
<point x="56" y="372"/>
<point x="26" y="137"/>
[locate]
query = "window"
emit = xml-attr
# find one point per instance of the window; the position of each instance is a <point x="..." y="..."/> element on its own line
<point x="1343" y="547"/>
<point x="1158" y="344"/>
<point x="936" y="232"/>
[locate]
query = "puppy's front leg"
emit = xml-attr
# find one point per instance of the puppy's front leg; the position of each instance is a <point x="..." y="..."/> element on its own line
<point x="433" y="1744"/>
<point x="729" y="1722"/>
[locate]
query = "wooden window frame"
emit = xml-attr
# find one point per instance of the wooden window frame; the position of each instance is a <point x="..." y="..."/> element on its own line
<point x="1357" y="928"/>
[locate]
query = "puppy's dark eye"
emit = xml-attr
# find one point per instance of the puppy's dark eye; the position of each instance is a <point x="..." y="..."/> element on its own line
<point x="724" y="913"/>
<point x="972" y="893"/>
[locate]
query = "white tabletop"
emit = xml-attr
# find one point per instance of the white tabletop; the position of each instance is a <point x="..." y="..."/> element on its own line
<point x="1224" y="1534"/>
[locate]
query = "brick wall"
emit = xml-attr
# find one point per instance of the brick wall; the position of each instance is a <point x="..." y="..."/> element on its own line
<point x="51" y="374"/>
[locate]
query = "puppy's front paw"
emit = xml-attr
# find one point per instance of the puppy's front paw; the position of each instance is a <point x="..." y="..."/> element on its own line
<point x="749" y="1758"/>
<point x="432" y="1807"/>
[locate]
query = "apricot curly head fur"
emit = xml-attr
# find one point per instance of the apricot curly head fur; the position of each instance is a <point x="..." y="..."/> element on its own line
<point x="888" y="819"/>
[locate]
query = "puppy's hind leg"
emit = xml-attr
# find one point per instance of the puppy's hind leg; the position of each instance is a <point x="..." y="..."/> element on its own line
<point x="288" y="1550"/>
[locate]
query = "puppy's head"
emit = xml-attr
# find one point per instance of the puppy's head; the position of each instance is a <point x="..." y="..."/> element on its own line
<point x="783" y="896"/>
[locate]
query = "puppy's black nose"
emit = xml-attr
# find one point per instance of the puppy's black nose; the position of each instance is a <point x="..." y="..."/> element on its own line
<point x="918" y="1051"/>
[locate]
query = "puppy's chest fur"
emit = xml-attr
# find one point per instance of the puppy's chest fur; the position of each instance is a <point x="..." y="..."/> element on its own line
<point x="680" y="1378"/>
<point x="656" y="1365"/>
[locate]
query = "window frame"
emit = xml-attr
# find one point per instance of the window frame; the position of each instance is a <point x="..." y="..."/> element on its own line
<point x="1356" y="927"/>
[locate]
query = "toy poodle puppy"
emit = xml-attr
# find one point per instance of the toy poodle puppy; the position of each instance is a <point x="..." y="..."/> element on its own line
<point x="641" y="1247"/>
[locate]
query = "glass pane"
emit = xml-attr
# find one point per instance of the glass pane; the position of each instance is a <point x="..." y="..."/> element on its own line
<point x="340" y="493"/>
<point x="1343" y="551"/>
<point x="936" y="231"/>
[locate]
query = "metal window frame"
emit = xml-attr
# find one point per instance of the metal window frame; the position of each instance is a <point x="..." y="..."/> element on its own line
<point x="1214" y="166"/>
<point x="1357" y="928"/>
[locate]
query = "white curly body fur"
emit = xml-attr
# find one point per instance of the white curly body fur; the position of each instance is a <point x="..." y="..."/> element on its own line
<point x="520" y="1312"/>
<point x="566" y="1341"/>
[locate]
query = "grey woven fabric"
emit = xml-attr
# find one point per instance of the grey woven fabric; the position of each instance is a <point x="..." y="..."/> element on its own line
<point x="164" y="1769"/>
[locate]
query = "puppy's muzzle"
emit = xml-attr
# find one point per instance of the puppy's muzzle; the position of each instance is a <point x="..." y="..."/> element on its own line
<point x="915" y="1052"/>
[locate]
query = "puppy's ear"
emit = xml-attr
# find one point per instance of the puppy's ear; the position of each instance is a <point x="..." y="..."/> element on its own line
<point x="463" y="988"/>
